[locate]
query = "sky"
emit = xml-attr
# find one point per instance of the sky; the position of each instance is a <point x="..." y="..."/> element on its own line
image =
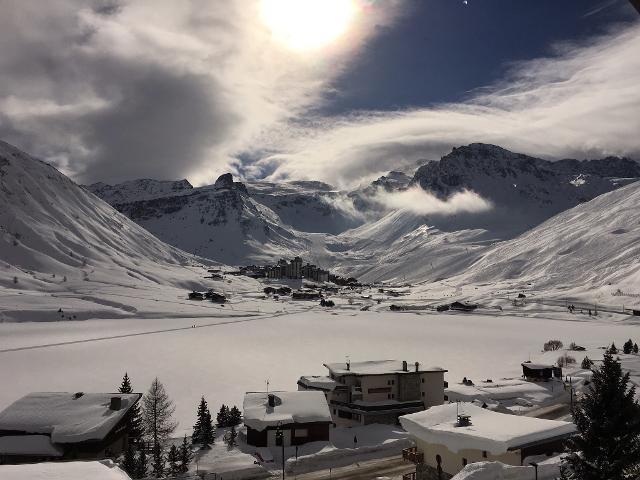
<point x="334" y="90"/>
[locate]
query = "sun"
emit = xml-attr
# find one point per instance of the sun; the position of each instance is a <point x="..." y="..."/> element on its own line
<point x="307" y="24"/>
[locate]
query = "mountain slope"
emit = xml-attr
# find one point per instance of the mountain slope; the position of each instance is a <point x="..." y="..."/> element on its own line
<point x="52" y="230"/>
<point x="591" y="246"/>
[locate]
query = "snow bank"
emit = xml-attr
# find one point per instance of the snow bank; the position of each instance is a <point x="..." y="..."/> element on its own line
<point x="500" y="471"/>
<point x="290" y="407"/>
<point x="490" y="431"/>
<point x="106" y="470"/>
<point x="64" y="417"/>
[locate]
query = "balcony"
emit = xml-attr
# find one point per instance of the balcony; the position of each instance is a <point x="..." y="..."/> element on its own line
<point x="413" y="455"/>
<point x="409" y="476"/>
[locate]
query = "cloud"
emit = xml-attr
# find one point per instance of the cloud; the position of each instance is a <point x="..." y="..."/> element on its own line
<point x="581" y="102"/>
<point x="116" y="89"/>
<point x="420" y="202"/>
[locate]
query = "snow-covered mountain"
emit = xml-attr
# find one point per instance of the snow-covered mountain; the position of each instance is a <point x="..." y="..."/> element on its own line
<point x="143" y="189"/>
<point x="356" y="232"/>
<point x="591" y="246"/>
<point x="53" y="231"/>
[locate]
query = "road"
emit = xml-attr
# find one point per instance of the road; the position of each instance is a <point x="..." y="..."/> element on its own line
<point x="392" y="467"/>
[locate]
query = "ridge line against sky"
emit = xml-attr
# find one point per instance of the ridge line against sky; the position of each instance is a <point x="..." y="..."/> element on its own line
<point x="113" y="90"/>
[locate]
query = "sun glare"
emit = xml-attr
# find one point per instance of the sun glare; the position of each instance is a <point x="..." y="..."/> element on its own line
<point x="307" y="24"/>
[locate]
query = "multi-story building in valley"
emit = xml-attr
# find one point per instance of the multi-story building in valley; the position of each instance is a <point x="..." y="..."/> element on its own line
<point x="360" y="393"/>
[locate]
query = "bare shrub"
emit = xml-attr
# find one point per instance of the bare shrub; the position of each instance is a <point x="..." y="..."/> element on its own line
<point x="552" y="345"/>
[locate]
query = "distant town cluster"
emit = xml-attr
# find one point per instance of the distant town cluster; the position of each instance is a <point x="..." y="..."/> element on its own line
<point x="289" y="269"/>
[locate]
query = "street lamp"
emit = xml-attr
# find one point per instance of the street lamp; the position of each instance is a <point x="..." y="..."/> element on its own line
<point x="280" y="438"/>
<point x="535" y="465"/>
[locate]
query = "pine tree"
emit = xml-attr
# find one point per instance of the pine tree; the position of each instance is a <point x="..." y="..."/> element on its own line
<point x="203" y="430"/>
<point x="174" y="460"/>
<point x="129" y="463"/>
<point x="235" y="417"/>
<point x="608" y="419"/>
<point x="628" y="346"/>
<point x="158" y="461"/>
<point x="185" y="455"/>
<point x="230" y="437"/>
<point x="587" y="363"/>
<point x="135" y="430"/>
<point x="141" y="464"/>
<point x="222" y="419"/>
<point x="635" y="348"/>
<point x="613" y="350"/>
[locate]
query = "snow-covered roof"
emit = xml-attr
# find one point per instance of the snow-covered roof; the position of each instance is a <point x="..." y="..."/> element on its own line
<point x="104" y="470"/>
<point x="66" y="417"/>
<point x="537" y="366"/>
<point x="378" y="367"/>
<point x="319" y="382"/>
<point x="38" y="445"/>
<point x="490" y="431"/>
<point x="290" y="407"/>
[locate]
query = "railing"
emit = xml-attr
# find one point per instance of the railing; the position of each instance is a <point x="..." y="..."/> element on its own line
<point x="409" y="476"/>
<point x="412" y="455"/>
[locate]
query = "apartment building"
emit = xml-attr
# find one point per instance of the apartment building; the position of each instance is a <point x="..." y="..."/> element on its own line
<point x="379" y="391"/>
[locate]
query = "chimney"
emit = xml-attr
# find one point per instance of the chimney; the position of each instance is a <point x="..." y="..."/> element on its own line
<point x="272" y="400"/>
<point x="417" y="366"/>
<point x="116" y="403"/>
<point x="348" y="365"/>
<point x="405" y="368"/>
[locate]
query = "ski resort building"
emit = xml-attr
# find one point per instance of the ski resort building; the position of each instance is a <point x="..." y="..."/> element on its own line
<point x="361" y="393"/>
<point x="450" y="436"/>
<point x="65" y="426"/>
<point x="301" y="417"/>
<point x="294" y="269"/>
<point x="540" y="372"/>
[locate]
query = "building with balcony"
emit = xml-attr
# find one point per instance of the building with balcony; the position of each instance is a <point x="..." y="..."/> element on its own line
<point x="380" y="391"/>
<point x="450" y="436"/>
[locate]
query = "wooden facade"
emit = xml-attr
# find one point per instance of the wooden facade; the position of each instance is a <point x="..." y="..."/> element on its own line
<point x="293" y="434"/>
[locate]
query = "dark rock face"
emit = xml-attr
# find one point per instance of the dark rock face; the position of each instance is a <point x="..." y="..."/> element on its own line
<point x="226" y="181"/>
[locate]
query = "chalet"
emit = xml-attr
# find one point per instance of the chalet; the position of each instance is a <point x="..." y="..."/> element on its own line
<point x="65" y="426"/>
<point x="450" y="436"/>
<point x="215" y="297"/>
<point x="306" y="295"/>
<point x="540" y="372"/>
<point x="196" y="296"/>
<point x="463" y="306"/>
<point x="300" y="416"/>
<point x="361" y="393"/>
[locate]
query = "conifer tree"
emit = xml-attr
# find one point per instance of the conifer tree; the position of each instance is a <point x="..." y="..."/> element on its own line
<point x="135" y="430"/>
<point x="203" y="430"/>
<point x="141" y="464"/>
<point x="156" y="414"/>
<point x="635" y="348"/>
<point x="158" y="461"/>
<point x="231" y="437"/>
<point x="613" y="350"/>
<point x="607" y="445"/>
<point x="174" y="460"/>
<point x="185" y="455"/>
<point x="587" y="363"/>
<point x="235" y="417"/>
<point x="628" y="346"/>
<point x="222" y="419"/>
<point x="129" y="463"/>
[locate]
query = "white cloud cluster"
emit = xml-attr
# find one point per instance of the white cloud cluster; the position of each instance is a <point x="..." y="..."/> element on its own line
<point x="581" y="102"/>
<point x="117" y="89"/>
<point x="420" y="202"/>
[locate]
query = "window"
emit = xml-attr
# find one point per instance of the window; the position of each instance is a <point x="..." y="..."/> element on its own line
<point x="423" y="380"/>
<point x="300" y="432"/>
<point x="423" y="394"/>
<point x="356" y="417"/>
<point x="334" y="411"/>
<point x="484" y="454"/>
<point x="379" y="390"/>
<point x="464" y="462"/>
<point x="391" y="382"/>
<point x="343" y="414"/>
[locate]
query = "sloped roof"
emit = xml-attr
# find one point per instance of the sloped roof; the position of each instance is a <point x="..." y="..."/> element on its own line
<point x="290" y="407"/>
<point x="378" y="367"/>
<point x="64" y="417"/>
<point x="491" y="431"/>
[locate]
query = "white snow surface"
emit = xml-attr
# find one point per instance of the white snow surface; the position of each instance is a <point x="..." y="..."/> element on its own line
<point x="490" y="431"/>
<point x="377" y="367"/>
<point x="105" y="470"/>
<point x="65" y="418"/>
<point x="290" y="407"/>
<point x="548" y="470"/>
